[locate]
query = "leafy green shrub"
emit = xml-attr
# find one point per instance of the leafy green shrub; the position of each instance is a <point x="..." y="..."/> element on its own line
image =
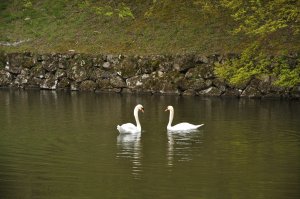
<point x="287" y="76"/>
<point x="240" y="70"/>
<point x="254" y="63"/>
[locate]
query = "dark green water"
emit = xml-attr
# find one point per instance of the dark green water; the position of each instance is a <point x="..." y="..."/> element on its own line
<point x="65" y="145"/>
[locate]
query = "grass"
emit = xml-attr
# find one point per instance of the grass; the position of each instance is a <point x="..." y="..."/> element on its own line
<point x="176" y="28"/>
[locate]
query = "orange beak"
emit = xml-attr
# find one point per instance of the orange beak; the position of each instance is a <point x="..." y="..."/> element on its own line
<point x="166" y="109"/>
<point x="142" y="109"/>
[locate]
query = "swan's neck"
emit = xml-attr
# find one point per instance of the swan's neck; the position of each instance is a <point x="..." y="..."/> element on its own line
<point x="170" y="118"/>
<point x="136" y="117"/>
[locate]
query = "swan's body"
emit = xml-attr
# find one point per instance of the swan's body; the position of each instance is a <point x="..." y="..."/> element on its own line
<point x="181" y="126"/>
<point x="129" y="127"/>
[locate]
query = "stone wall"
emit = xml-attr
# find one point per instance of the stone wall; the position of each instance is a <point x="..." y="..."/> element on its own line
<point x="157" y="74"/>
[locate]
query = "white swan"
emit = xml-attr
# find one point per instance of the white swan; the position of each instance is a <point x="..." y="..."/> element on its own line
<point x="181" y="126"/>
<point x="129" y="127"/>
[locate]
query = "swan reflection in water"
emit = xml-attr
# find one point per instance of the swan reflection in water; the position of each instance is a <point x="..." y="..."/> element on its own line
<point x="129" y="146"/>
<point x="180" y="144"/>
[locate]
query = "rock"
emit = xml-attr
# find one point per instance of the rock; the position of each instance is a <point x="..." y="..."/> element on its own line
<point x="98" y="73"/>
<point x="108" y="90"/>
<point x="114" y="59"/>
<point x="183" y="63"/>
<point x="74" y="86"/>
<point x="22" y="78"/>
<point x="231" y="92"/>
<point x="117" y="82"/>
<point x="5" y="78"/>
<point x="77" y="73"/>
<point x="38" y="72"/>
<point x="295" y="92"/>
<point x="220" y="84"/>
<point x="271" y="96"/>
<point x="189" y="92"/>
<point x="201" y="59"/>
<point x="63" y="63"/>
<point x="147" y="65"/>
<point x="87" y="85"/>
<point x="106" y="65"/>
<point x="104" y="84"/>
<point x="17" y="60"/>
<point x="251" y="92"/>
<point x="64" y="83"/>
<point x="49" y="83"/>
<point x="166" y="65"/>
<point x="168" y="88"/>
<point x="194" y="84"/>
<point x="13" y="70"/>
<point x="50" y="66"/>
<point x="202" y="71"/>
<point x="34" y="82"/>
<point x="215" y="58"/>
<point x="212" y="91"/>
<point x="134" y="82"/>
<point x="127" y="68"/>
<point x="59" y="74"/>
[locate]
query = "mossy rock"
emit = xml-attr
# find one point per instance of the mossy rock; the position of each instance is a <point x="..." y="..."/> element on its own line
<point x="251" y="92"/>
<point x="103" y="84"/>
<point x="167" y="87"/>
<point x="295" y="92"/>
<point x="63" y="63"/>
<point x="189" y="92"/>
<point x="24" y="60"/>
<point x="34" y="82"/>
<point x="117" y="82"/>
<point x="231" y="92"/>
<point x="87" y="85"/>
<point x="97" y="61"/>
<point x="38" y="71"/>
<point x="202" y="71"/>
<point x="183" y="63"/>
<point x="49" y="83"/>
<point x="60" y="73"/>
<point x="2" y="59"/>
<point x="78" y="73"/>
<point x="211" y="91"/>
<point x="64" y="83"/>
<point x="128" y="67"/>
<point x="5" y="78"/>
<point x="98" y="73"/>
<point x="193" y="84"/>
<point x="147" y="65"/>
<point x="51" y="64"/>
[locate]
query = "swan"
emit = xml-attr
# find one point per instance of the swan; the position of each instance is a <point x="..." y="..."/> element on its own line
<point x="129" y="127"/>
<point x="181" y="126"/>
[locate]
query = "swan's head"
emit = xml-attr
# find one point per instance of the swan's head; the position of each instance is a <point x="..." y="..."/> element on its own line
<point x="170" y="108"/>
<point x="140" y="107"/>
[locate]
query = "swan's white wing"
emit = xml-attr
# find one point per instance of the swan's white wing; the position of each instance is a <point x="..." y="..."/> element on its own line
<point x="127" y="128"/>
<point x="184" y="127"/>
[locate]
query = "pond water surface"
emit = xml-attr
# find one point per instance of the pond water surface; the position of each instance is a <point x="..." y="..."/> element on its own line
<point x="66" y="145"/>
